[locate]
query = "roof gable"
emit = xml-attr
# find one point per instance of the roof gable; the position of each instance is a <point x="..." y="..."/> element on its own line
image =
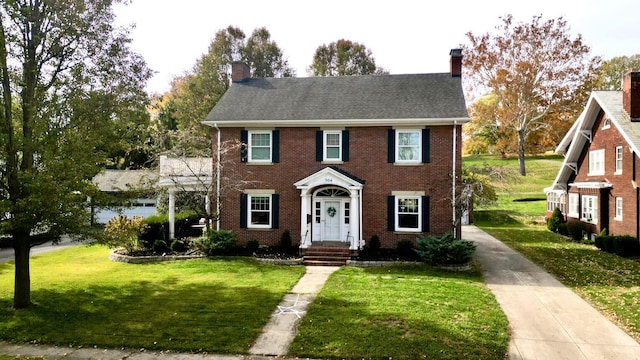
<point x="575" y="140"/>
<point x="382" y="97"/>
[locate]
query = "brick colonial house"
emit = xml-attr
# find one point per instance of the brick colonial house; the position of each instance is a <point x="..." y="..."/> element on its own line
<point x="598" y="181"/>
<point x="341" y="159"/>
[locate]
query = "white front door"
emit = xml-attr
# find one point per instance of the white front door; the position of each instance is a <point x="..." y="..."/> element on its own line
<point x="332" y="222"/>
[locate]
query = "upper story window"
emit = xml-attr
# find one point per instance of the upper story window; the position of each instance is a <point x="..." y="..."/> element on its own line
<point x="618" y="160"/>
<point x="260" y="146"/>
<point x="408" y="149"/>
<point x="332" y="145"/>
<point x="596" y="162"/>
<point x="409" y="146"/>
<point x="606" y="123"/>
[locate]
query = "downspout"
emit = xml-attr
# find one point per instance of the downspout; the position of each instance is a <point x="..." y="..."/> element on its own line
<point x="360" y="212"/>
<point x="218" y="171"/>
<point x="453" y="186"/>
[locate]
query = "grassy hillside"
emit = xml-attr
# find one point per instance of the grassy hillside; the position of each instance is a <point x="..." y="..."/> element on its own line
<point x="524" y="198"/>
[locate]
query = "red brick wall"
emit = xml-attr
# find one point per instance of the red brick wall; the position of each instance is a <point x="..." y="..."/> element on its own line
<point x="609" y="139"/>
<point x="367" y="161"/>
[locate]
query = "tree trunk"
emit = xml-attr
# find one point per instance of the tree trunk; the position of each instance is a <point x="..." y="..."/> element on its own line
<point x="523" y="171"/>
<point x="22" y="286"/>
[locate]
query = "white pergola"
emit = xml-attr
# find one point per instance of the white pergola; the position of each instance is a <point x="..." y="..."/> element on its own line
<point x="184" y="174"/>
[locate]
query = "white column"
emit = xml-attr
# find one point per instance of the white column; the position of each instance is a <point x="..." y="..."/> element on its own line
<point x="172" y="215"/>
<point x="354" y="220"/>
<point x="305" y="236"/>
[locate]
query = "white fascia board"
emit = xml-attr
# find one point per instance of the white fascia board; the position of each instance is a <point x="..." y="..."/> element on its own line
<point x="338" y="122"/>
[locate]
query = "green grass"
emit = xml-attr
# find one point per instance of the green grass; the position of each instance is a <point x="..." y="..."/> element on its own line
<point x="403" y="313"/>
<point x="610" y="283"/>
<point x="83" y="298"/>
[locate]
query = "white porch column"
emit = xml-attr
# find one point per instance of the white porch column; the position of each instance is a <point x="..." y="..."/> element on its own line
<point x="305" y="230"/>
<point x="354" y="223"/>
<point x="172" y="215"/>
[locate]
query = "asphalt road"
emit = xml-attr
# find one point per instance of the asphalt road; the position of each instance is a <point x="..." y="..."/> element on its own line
<point x="6" y="254"/>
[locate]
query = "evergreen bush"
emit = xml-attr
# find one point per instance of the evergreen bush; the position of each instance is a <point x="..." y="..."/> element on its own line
<point x="554" y="221"/>
<point x="216" y="242"/>
<point x="445" y="250"/>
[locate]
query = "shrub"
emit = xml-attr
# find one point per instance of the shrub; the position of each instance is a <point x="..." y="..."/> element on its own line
<point x="405" y="248"/>
<point x="216" y="242"/>
<point x="599" y="242"/>
<point x="575" y="230"/>
<point x="122" y="231"/>
<point x="563" y="229"/>
<point x="626" y="246"/>
<point x="159" y="247"/>
<point x="178" y="246"/>
<point x="158" y="227"/>
<point x="285" y="240"/>
<point x="253" y="246"/>
<point x="554" y="221"/>
<point x="445" y="250"/>
<point x="374" y="243"/>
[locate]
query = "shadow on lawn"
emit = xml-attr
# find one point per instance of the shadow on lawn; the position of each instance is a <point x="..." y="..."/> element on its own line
<point x="338" y="328"/>
<point x="187" y="317"/>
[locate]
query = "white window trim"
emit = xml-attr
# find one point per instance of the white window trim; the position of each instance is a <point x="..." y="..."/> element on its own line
<point x="619" y="152"/>
<point x="596" y="157"/>
<point x="619" y="204"/>
<point x="574" y="205"/>
<point x="324" y="146"/>
<point x="606" y="123"/>
<point x="592" y="217"/>
<point x="397" y="146"/>
<point x="250" y="155"/>
<point x="249" y="210"/>
<point x="397" y="214"/>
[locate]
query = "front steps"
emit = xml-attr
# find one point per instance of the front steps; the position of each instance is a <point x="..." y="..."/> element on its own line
<point x="326" y="255"/>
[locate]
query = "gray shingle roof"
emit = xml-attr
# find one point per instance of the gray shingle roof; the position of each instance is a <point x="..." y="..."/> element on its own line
<point x="418" y="96"/>
<point x="125" y="180"/>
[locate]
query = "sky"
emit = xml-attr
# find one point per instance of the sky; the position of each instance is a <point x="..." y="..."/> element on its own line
<point x="404" y="36"/>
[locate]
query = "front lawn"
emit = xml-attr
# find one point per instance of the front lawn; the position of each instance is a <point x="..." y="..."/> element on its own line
<point x="403" y="312"/>
<point x="83" y="298"/>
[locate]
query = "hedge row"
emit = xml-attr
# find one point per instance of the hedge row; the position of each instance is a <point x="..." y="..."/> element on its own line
<point x="621" y="245"/>
<point x="158" y="227"/>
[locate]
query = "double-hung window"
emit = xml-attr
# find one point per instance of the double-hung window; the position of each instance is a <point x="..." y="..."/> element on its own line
<point x="408" y="213"/>
<point x="332" y="145"/>
<point x="408" y="149"/>
<point x="259" y="211"/>
<point x="618" y="160"/>
<point x="574" y="205"/>
<point x="596" y="162"/>
<point x="260" y="146"/>
<point x="618" y="208"/>
<point x="589" y="208"/>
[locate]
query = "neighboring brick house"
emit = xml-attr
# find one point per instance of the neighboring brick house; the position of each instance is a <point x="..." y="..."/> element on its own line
<point x="342" y="158"/>
<point x="598" y="181"/>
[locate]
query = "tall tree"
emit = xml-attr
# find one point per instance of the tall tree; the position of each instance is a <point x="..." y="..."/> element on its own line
<point x="344" y="57"/>
<point x="610" y="73"/>
<point x="534" y="69"/>
<point x="67" y="77"/>
<point x="193" y="95"/>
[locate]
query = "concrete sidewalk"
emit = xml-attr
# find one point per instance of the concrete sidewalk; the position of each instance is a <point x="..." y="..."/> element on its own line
<point x="547" y="319"/>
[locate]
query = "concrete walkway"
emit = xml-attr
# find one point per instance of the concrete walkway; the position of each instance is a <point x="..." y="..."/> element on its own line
<point x="547" y="320"/>
<point x="281" y="329"/>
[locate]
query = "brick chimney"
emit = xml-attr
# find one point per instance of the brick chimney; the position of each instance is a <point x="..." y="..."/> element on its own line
<point x="456" y="62"/>
<point x="631" y="95"/>
<point x="239" y="71"/>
